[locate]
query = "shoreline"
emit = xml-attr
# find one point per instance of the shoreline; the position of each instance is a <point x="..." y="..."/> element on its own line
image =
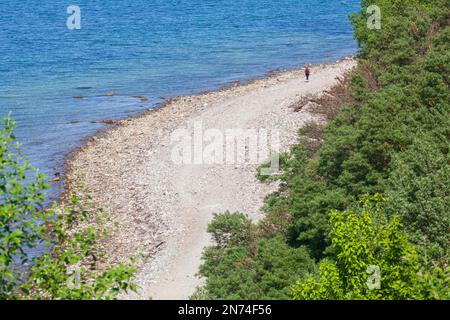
<point x="162" y="209"/>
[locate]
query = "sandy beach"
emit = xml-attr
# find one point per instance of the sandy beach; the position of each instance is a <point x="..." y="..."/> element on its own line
<point x="163" y="208"/>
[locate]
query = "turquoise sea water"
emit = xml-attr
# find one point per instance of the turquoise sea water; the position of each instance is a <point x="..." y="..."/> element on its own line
<point x="154" y="48"/>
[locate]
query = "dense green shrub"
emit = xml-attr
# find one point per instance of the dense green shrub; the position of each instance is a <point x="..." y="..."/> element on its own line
<point x="373" y="259"/>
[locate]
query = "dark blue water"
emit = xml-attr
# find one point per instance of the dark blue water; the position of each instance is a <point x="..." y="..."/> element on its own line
<point x="156" y="48"/>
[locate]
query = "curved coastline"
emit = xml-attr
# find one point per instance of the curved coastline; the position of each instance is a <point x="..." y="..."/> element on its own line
<point x="163" y="210"/>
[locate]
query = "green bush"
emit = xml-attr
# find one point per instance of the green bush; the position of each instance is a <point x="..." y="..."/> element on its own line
<point x="67" y="267"/>
<point x="394" y="141"/>
<point x="366" y="245"/>
<point x="254" y="268"/>
<point x="22" y="219"/>
<point x="419" y="191"/>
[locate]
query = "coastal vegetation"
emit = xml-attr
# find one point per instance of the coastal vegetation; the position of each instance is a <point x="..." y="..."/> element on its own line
<point x="49" y="253"/>
<point x="363" y="207"/>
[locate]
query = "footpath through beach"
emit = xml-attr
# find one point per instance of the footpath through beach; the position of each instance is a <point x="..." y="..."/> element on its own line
<point x="163" y="207"/>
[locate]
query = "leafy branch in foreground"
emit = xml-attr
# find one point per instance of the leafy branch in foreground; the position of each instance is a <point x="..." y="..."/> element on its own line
<point x="48" y="254"/>
<point x="388" y="133"/>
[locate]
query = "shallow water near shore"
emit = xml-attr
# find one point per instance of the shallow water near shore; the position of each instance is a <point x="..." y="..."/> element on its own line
<point x="158" y="49"/>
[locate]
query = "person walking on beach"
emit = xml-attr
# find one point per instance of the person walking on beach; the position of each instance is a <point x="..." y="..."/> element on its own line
<point x="307" y="73"/>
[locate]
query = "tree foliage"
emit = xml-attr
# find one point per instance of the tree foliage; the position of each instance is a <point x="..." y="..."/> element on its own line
<point x="244" y="266"/>
<point x="368" y="249"/>
<point x="21" y="215"/>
